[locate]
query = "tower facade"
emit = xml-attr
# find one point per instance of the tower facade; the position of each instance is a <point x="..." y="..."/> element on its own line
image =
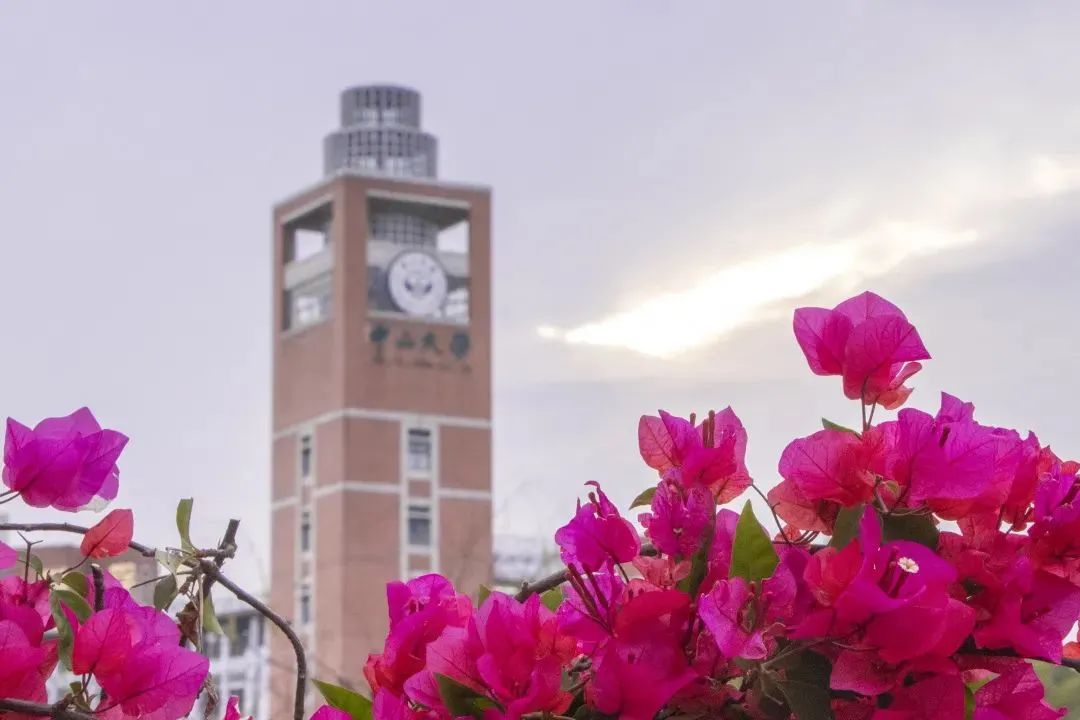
<point x="382" y="386"/>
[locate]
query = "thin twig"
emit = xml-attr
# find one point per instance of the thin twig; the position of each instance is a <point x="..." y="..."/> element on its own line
<point x="57" y="711"/>
<point x="99" y="605"/>
<point x="99" y="587"/>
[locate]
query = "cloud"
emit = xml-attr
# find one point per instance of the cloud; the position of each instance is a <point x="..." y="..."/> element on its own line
<point x="1055" y="175"/>
<point x="754" y="289"/>
<point x="749" y="291"/>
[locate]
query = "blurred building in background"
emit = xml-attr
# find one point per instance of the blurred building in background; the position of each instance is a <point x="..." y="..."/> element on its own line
<point x="239" y="659"/>
<point x="520" y="558"/>
<point x="382" y="384"/>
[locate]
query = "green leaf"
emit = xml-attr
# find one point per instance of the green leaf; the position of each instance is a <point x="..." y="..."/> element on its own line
<point x="171" y="561"/>
<point x="699" y="565"/>
<point x="847" y="525"/>
<point x="644" y="498"/>
<point x="482" y="594"/>
<point x="183" y="522"/>
<point x="830" y="425"/>
<point x="77" y="582"/>
<point x="917" y="528"/>
<point x="65" y="636"/>
<point x="753" y="556"/>
<point x="165" y="592"/>
<point x="209" y="616"/>
<point x="75" y="602"/>
<point x="461" y="700"/>
<point x="552" y="599"/>
<point x="348" y="701"/>
<point x="969" y="703"/>
<point x="35" y="563"/>
<point x="806" y="685"/>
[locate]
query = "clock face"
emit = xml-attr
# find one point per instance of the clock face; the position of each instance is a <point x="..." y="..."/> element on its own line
<point x="417" y="283"/>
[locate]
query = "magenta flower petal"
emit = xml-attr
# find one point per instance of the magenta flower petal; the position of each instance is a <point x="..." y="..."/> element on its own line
<point x="68" y="463"/>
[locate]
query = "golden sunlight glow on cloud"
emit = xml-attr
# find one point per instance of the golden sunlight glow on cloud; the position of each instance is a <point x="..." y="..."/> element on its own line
<point x="745" y="292"/>
<point x="751" y="289"/>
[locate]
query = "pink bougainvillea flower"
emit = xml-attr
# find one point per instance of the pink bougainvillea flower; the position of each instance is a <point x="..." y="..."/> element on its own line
<point x="1016" y="692"/>
<point x="711" y="455"/>
<point x="590" y="619"/>
<point x="1055" y="532"/>
<point x="510" y="652"/>
<point x="800" y="512"/>
<point x="871" y="594"/>
<point x="134" y="654"/>
<point x="110" y="537"/>
<point x="14" y="591"/>
<point x="830" y="465"/>
<point x="643" y="665"/>
<point x="1017" y="605"/>
<point x="681" y="519"/>
<point x="415" y="596"/>
<point x="743" y="621"/>
<point x="27" y="659"/>
<point x="597" y="535"/>
<point x="8" y="556"/>
<point x="662" y="572"/>
<point x="868" y="341"/>
<point x="729" y="611"/>
<point x="420" y="610"/>
<point x="939" y="461"/>
<point x="1031" y="614"/>
<point x="68" y="463"/>
<point x="1012" y="462"/>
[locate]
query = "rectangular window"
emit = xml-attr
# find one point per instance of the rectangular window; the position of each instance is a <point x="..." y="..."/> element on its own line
<point x="241" y="636"/>
<point x="305" y="456"/>
<point x="308" y="303"/>
<point x="305" y="531"/>
<point x="420" y="451"/>
<point x="305" y="605"/>
<point x="419" y="522"/>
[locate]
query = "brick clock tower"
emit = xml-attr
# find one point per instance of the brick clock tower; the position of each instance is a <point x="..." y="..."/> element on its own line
<point x="382" y="386"/>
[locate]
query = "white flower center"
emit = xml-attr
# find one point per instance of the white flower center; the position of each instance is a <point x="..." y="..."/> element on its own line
<point x="908" y="565"/>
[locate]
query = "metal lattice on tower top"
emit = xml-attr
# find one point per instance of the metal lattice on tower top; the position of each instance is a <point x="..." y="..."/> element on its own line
<point x="380" y="133"/>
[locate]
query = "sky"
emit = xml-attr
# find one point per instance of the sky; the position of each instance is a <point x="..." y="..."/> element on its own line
<point x="670" y="182"/>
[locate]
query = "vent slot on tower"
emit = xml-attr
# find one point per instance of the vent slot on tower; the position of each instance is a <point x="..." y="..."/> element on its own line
<point x="309" y="265"/>
<point x="418" y="259"/>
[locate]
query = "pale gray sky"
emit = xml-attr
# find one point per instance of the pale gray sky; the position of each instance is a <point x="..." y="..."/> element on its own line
<point x="659" y="172"/>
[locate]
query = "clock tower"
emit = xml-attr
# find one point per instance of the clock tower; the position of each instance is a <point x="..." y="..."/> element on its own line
<point x="382" y="386"/>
